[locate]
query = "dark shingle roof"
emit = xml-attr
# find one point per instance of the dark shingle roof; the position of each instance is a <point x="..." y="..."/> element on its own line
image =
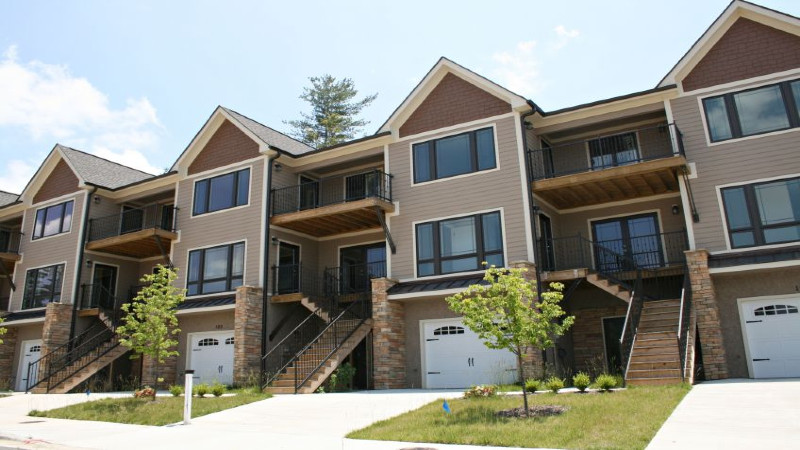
<point x="7" y="198"/>
<point x="207" y="302"/>
<point x="436" y="285"/>
<point x="271" y="137"/>
<point x="23" y="315"/>
<point x="102" y="172"/>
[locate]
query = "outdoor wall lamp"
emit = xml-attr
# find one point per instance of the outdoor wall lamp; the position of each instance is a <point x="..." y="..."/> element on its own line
<point x="676" y="210"/>
<point x="96" y="199"/>
<point x="278" y="167"/>
<point x="89" y="263"/>
<point x="275" y="241"/>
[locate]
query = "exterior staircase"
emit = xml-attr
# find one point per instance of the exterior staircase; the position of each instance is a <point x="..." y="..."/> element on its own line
<point x="75" y="373"/>
<point x="313" y="364"/>
<point x="609" y="286"/>
<point x="655" y="358"/>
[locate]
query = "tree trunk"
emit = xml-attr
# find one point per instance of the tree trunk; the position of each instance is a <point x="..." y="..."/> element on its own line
<point x="522" y="378"/>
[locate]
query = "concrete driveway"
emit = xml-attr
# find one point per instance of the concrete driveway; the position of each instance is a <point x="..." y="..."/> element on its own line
<point x="283" y="422"/>
<point x="735" y="414"/>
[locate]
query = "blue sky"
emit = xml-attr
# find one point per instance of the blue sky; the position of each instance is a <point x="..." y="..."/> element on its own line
<point x="134" y="81"/>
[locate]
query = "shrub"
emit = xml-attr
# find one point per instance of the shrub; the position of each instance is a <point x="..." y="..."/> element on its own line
<point x="532" y="385"/>
<point x="218" y="389"/>
<point x="176" y="390"/>
<point x="605" y="382"/>
<point x="342" y="378"/>
<point x="581" y="381"/>
<point x="488" y="390"/>
<point x="200" y="390"/>
<point x="554" y="384"/>
<point x="145" y="392"/>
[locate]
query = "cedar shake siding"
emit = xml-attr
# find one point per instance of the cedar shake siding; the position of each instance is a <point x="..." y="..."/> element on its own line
<point x="451" y="102"/>
<point x="62" y="181"/>
<point x="748" y="49"/>
<point x="463" y="195"/>
<point x="228" y="145"/>
<point x="48" y="251"/>
<point x="735" y="161"/>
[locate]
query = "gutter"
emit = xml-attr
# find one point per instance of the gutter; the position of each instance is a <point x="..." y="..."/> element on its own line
<point x="265" y="274"/>
<point x="534" y="209"/>
<point x="79" y="270"/>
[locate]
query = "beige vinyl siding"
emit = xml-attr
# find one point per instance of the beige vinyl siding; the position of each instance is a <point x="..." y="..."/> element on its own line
<point x="480" y="191"/>
<point x="576" y="223"/>
<point x="52" y="250"/>
<point x="238" y="224"/>
<point x="737" y="161"/>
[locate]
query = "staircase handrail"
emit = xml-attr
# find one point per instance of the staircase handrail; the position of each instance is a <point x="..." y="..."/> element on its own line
<point x="684" y="322"/>
<point x="99" y="348"/>
<point x="311" y="316"/>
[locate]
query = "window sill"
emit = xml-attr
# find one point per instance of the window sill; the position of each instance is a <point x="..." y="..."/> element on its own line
<point x="747" y="138"/>
<point x="454" y="177"/>
<point x="206" y="214"/>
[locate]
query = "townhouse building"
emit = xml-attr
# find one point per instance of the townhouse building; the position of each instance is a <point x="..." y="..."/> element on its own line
<point x="671" y="216"/>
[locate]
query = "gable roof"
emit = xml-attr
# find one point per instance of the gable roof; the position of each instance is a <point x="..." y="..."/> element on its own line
<point x="273" y="138"/>
<point x="431" y="80"/>
<point x="717" y="29"/>
<point x="100" y="172"/>
<point x="7" y="198"/>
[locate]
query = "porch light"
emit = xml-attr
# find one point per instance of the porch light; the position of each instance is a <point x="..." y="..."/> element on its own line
<point x="676" y="210"/>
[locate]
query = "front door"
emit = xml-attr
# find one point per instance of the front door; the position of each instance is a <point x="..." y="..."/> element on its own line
<point x="361" y="264"/>
<point x="624" y="240"/>
<point x="31" y="351"/>
<point x="104" y="286"/>
<point x="288" y="268"/>
<point x="546" y="243"/>
<point x="612" y="332"/>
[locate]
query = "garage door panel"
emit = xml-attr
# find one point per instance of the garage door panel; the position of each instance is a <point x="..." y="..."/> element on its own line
<point x="772" y="329"/>
<point x="212" y="357"/>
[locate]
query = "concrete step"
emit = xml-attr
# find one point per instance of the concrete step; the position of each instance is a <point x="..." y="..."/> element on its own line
<point x="653" y="381"/>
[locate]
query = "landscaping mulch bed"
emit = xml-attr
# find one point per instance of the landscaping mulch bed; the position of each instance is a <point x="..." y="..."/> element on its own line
<point x="534" y="411"/>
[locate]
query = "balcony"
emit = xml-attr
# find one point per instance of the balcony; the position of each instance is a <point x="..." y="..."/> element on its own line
<point x="334" y="205"/>
<point x="630" y="164"/>
<point x="292" y="283"/>
<point x="135" y="232"/>
<point x="9" y="248"/>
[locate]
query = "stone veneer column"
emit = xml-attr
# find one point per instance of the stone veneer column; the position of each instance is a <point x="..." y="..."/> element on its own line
<point x="532" y="363"/>
<point x="57" y="322"/>
<point x="7" y="358"/>
<point x="704" y="300"/>
<point x="247" y="334"/>
<point x="389" y="337"/>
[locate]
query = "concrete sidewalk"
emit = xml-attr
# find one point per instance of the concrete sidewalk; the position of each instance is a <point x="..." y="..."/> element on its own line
<point x="735" y="414"/>
<point x="283" y="422"/>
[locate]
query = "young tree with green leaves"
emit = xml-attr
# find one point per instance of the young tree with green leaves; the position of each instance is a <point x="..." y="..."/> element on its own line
<point x="2" y="329"/>
<point x="334" y="112"/>
<point x="150" y="322"/>
<point x="506" y="314"/>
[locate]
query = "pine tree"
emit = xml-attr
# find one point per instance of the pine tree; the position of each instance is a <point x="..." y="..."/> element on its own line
<point x="334" y="112"/>
<point x="150" y="321"/>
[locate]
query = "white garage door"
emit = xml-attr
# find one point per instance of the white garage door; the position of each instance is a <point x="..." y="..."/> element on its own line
<point x="772" y="328"/>
<point x="211" y="357"/>
<point x="31" y="351"/>
<point x="455" y="357"/>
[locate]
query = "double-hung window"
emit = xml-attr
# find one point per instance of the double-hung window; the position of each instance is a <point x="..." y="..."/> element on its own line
<point x="763" y="213"/>
<point x="753" y="111"/>
<point x="43" y="286"/>
<point x="53" y="220"/>
<point x="459" y="245"/>
<point x="454" y="155"/>
<point x="215" y="269"/>
<point x="221" y="192"/>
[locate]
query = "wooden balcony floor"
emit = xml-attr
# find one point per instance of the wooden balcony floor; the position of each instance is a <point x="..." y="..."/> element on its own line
<point x="613" y="184"/>
<point x="573" y="274"/>
<point x="138" y="244"/>
<point x="330" y="220"/>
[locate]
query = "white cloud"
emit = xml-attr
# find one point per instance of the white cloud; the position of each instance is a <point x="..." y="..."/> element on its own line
<point x="564" y="37"/>
<point x="52" y="105"/>
<point x="518" y="70"/>
<point x="18" y="172"/>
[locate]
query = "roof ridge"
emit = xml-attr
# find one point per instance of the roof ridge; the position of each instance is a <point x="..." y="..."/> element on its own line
<point x="266" y="126"/>
<point x="106" y="160"/>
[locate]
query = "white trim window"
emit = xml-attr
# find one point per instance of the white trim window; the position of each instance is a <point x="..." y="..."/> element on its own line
<point x="460" y="244"/>
<point x="763" y="213"/>
<point x="52" y="220"/>
<point x="215" y="269"/>
<point x="454" y="155"/>
<point x="221" y="192"/>
<point x="42" y="286"/>
<point x="751" y="112"/>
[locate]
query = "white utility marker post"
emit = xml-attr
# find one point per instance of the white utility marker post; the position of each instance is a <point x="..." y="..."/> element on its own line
<point x="187" y="397"/>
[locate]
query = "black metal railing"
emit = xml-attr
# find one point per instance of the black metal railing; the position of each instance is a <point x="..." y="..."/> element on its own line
<point x="684" y="321"/>
<point x="350" y="279"/>
<point x="332" y="191"/>
<point x="97" y="296"/>
<point x="628" y="338"/>
<point x="9" y="241"/>
<point x="624" y="148"/>
<point x="647" y="251"/>
<point x="155" y="216"/>
<point x="61" y="363"/>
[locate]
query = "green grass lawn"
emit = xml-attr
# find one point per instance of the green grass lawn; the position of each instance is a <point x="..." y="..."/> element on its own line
<point x="162" y="411"/>
<point x="622" y="419"/>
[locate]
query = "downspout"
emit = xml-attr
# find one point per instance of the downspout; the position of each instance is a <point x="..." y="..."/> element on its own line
<point x="534" y="209"/>
<point x="79" y="270"/>
<point x="265" y="269"/>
